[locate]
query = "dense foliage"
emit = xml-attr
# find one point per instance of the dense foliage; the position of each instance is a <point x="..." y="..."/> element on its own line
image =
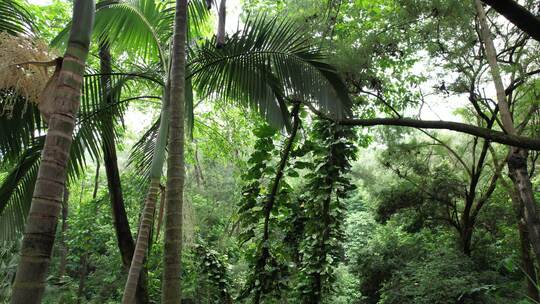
<point x="287" y="198"/>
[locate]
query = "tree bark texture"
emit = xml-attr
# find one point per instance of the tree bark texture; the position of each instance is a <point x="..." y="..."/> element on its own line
<point x="41" y="223"/>
<point x="172" y="262"/>
<point x="141" y="247"/>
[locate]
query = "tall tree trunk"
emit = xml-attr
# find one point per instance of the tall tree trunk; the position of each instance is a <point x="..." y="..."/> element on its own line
<point x="517" y="161"/>
<point x="527" y="261"/>
<point x="114" y="183"/>
<point x="141" y="246"/>
<point x="171" y="289"/>
<point x="137" y="262"/>
<point x="466" y="238"/>
<point x="42" y="219"/>
<point x="222" y="13"/>
<point x="63" y="245"/>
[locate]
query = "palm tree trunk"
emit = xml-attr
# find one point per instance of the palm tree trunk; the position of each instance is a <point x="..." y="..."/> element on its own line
<point x="171" y="289"/>
<point x="517" y="161"/>
<point x="141" y="246"/>
<point x="149" y="205"/>
<point x="40" y="227"/>
<point x="125" y="240"/>
<point x="63" y="245"/>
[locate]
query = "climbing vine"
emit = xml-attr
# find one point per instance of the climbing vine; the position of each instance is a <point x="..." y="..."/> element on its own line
<point x="327" y="186"/>
<point x="303" y="249"/>
<point x="265" y="196"/>
<point x="214" y="267"/>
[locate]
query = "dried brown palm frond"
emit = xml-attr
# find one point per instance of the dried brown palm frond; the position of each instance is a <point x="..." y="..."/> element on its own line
<point x="17" y="75"/>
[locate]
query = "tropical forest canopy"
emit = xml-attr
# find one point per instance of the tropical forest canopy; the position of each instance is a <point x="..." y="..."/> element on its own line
<point x="270" y="151"/>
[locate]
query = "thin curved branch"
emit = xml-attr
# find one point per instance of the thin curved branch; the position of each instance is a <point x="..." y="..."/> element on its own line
<point x="452" y="151"/>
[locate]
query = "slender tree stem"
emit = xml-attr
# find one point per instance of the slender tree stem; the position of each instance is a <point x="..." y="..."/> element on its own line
<point x="147" y="218"/>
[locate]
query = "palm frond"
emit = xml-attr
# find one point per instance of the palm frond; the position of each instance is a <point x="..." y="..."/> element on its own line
<point x="90" y="133"/>
<point x="15" y="18"/>
<point x="135" y="25"/>
<point x="17" y="189"/>
<point x="20" y="122"/>
<point x="267" y="61"/>
<point x="198" y="18"/>
<point x="142" y="152"/>
<point x="143" y="27"/>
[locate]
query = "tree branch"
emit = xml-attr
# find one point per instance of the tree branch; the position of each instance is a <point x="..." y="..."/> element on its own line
<point x="518" y="15"/>
<point x="494" y="136"/>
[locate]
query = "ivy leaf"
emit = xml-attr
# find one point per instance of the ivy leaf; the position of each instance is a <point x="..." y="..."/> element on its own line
<point x="264" y="131"/>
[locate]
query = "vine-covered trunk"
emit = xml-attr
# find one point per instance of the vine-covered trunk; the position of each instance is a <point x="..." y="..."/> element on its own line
<point x="171" y="289"/>
<point x="325" y="193"/>
<point x="41" y="223"/>
<point x="517" y="161"/>
<point x="147" y="217"/>
<point x="269" y="205"/>
<point x="124" y="238"/>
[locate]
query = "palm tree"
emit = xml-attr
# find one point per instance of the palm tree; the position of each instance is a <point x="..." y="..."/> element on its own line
<point x="170" y="290"/>
<point x="22" y="138"/>
<point x="49" y="186"/>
